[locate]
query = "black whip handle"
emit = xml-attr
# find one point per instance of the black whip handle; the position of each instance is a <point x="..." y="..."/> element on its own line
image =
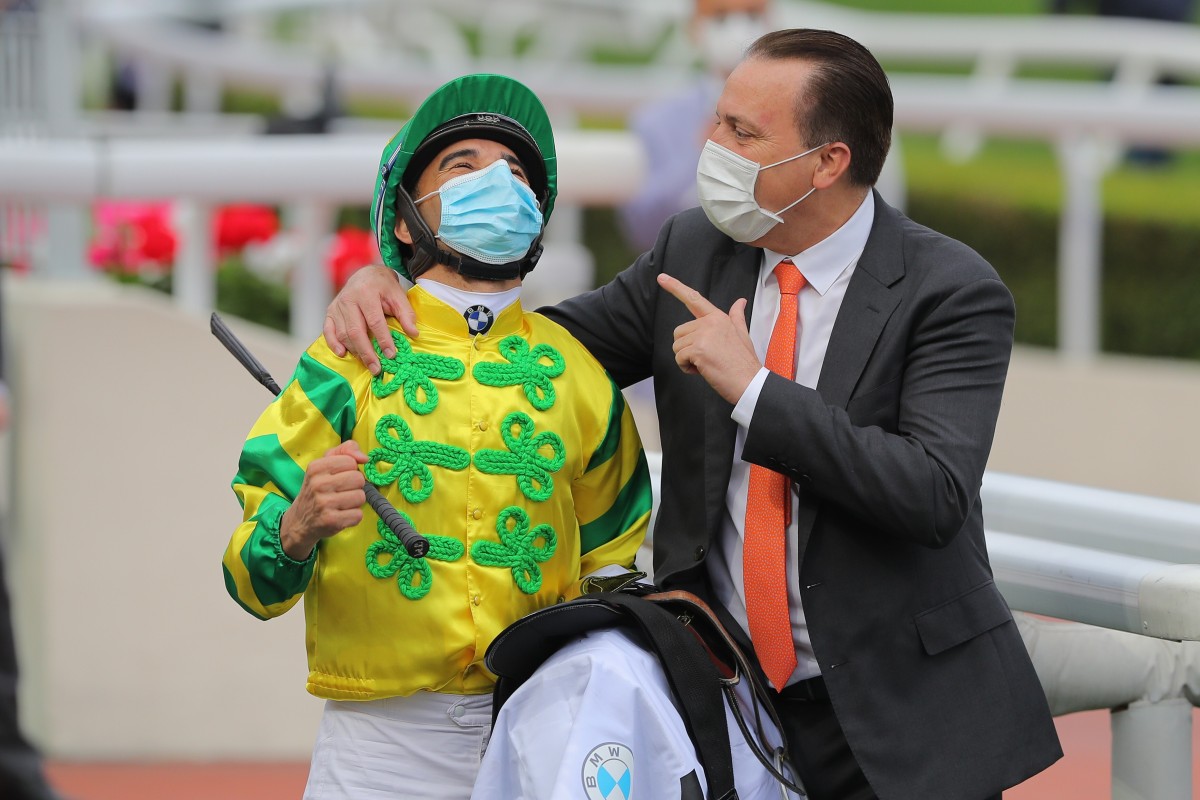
<point x="239" y="351"/>
<point x="416" y="544"/>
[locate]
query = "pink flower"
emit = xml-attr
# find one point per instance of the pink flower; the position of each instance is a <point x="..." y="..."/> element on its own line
<point x="132" y="236"/>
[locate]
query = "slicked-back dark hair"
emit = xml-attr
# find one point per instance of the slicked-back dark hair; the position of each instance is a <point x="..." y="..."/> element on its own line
<point x="847" y="97"/>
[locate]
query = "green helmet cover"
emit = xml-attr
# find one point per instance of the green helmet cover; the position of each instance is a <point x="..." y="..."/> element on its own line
<point x="481" y="106"/>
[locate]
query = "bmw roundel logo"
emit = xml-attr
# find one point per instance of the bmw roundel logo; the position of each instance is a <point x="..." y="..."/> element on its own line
<point x="479" y="319"/>
<point x="608" y="772"/>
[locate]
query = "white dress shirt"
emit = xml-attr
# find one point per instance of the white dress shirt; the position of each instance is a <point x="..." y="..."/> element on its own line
<point x="827" y="267"/>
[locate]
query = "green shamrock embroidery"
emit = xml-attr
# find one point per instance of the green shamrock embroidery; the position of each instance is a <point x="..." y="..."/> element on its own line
<point x="516" y="550"/>
<point x="525" y="457"/>
<point x="525" y="369"/>
<point x="404" y="567"/>
<point x="409" y="459"/>
<point x="415" y="372"/>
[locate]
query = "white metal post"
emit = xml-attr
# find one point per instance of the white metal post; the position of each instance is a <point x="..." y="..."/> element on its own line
<point x="66" y="225"/>
<point x="201" y="92"/>
<point x="155" y="85"/>
<point x="1083" y="164"/>
<point x="1152" y="751"/>
<point x="195" y="282"/>
<point x="313" y="221"/>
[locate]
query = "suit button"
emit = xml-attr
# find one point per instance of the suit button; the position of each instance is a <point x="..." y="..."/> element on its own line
<point x="700" y="553"/>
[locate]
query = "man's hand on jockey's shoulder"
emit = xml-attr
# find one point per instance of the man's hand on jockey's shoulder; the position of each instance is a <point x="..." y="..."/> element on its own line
<point x="359" y="315"/>
<point x="330" y="500"/>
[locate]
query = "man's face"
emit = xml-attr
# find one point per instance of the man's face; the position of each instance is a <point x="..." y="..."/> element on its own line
<point x="756" y="119"/>
<point x="460" y="158"/>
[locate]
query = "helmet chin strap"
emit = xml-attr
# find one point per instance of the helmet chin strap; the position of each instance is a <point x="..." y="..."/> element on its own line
<point x="427" y="253"/>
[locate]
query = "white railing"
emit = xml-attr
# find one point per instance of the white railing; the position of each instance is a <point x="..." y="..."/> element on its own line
<point x="1117" y="522"/>
<point x="997" y="45"/>
<point x="993" y="47"/>
<point x="604" y="168"/>
<point x="1088" y="125"/>
<point x="311" y="173"/>
<point x="1125" y="562"/>
<point x="1112" y="590"/>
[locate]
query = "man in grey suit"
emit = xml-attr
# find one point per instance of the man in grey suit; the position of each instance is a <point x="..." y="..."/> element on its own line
<point x="905" y="676"/>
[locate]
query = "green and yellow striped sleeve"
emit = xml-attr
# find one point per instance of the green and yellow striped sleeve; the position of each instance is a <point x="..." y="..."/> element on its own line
<point x="313" y="413"/>
<point x="613" y="496"/>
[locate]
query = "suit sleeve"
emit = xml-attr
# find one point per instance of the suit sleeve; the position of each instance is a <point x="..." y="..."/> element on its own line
<point x="915" y="477"/>
<point x="616" y="322"/>
<point x="313" y="413"/>
<point x="613" y="496"/>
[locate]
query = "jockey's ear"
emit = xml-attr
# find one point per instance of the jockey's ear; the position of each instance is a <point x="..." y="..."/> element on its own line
<point x="401" y="231"/>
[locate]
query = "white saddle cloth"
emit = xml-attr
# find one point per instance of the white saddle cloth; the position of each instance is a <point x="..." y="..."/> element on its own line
<point x="596" y="722"/>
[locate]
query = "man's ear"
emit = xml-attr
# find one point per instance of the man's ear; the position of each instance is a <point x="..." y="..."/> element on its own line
<point x="401" y="231"/>
<point x="835" y="162"/>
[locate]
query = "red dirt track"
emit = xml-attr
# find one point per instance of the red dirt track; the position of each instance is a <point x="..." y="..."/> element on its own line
<point x="1083" y="774"/>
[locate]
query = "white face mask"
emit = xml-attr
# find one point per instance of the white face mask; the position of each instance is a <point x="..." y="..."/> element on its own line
<point x="723" y="41"/>
<point x="725" y="182"/>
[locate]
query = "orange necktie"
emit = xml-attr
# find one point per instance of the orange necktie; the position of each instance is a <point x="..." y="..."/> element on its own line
<point x="769" y="512"/>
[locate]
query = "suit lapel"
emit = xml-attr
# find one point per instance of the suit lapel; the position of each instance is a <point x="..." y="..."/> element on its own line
<point x="868" y="304"/>
<point x="734" y="275"/>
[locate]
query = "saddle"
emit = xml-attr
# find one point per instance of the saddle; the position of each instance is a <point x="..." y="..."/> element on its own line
<point x="702" y="662"/>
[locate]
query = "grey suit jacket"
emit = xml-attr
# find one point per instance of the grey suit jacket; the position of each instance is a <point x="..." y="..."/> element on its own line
<point x="926" y="671"/>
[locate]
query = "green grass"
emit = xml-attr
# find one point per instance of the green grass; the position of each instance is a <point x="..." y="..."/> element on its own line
<point x="1170" y="195"/>
<point x="1026" y="174"/>
<point x="1006" y="172"/>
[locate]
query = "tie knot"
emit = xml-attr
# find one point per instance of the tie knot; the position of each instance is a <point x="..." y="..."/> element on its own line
<point x="791" y="281"/>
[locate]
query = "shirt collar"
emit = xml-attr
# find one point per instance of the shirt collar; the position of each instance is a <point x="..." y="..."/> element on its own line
<point x="433" y="313"/>
<point x="822" y="263"/>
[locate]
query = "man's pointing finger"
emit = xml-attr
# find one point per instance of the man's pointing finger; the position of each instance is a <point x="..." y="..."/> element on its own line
<point x="695" y="302"/>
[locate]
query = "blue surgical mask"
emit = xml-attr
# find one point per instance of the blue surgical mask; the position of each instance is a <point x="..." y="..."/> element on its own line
<point x="488" y="215"/>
